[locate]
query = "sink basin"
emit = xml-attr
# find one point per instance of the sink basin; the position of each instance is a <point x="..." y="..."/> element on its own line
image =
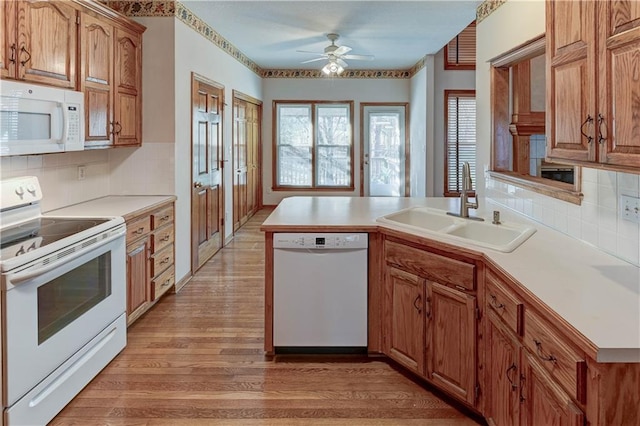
<point x="505" y="237"/>
<point x="422" y="218"/>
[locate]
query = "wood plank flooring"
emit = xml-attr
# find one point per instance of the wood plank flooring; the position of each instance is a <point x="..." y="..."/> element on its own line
<point x="196" y="358"/>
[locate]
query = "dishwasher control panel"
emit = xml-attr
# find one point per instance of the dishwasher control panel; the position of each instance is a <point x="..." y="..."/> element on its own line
<point x="320" y="241"/>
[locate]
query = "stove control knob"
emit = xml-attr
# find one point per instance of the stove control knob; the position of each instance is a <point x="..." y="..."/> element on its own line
<point x="31" y="188"/>
<point x="20" y="191"/>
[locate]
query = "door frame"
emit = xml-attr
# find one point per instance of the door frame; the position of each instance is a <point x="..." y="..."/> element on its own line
<point x="407" y="152"/>
<point x="195" y="77"/>
<point x="237" y="95"/>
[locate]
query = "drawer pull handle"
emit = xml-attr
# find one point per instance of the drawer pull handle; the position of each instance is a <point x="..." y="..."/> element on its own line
<point x="495" y="304"/>
<point x="166" y="282"/>
<point x="415" y="304"/>
<point x="163" y="218"/>
<point x="22" y="49"/>
<point x="166" y="238"/>
<point x="139" y="230"/>
<point x="12" y="59"/>
<point x="428" y="313"/>
<point x="165" y="260"/>
<point x="601" y="124"/>
<point x="513" y="368"/>
<point x="523" y="381"/>
<point x="542" y="356"/>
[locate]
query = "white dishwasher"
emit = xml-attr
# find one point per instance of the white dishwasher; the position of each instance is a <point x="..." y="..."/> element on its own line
<point x="320" y="292"/>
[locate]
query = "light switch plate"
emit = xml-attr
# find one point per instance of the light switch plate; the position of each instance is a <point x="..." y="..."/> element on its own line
<point x="630" y="208"/>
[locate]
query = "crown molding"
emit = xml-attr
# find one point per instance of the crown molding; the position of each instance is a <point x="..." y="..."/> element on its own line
<point x="487" y="8"/>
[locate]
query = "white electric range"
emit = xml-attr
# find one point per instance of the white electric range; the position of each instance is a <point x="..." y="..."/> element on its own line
<point x="63" y="298"/>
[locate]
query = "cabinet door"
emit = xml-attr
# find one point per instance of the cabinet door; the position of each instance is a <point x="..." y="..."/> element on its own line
<point x="404" y="313"/>
<point x="47" y="43"/>
<point x="503" y="360"/>
<point x="8" y="47"/>
<point x="619" y="82"/>
<point x="96" y="78"/>
<point x="543" y="402"/>
<point x="571" y="86"/>
<point x="128" y="88"/>
<point x="138" y="276"/>
<point x="451" y="340"/>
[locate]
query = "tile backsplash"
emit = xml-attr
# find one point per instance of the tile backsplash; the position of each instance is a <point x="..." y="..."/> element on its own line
<point x="597" y="221"/>
<point x="58" y="175"/>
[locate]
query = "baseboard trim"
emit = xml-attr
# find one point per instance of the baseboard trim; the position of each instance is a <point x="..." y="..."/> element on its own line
<point x="180" y="284"/>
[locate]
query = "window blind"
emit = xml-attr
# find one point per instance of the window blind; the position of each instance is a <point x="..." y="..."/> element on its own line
<point x="461" y="139"/>
<point x="460" y="53"/>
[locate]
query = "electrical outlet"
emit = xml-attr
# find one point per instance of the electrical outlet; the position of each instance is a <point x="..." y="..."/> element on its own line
<point x="630" y="208"/>
<point x="82" y="172"/>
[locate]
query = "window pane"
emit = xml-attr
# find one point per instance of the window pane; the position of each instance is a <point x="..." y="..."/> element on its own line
<point x="334" y="145"/>
<point x="294" y="145"/>
<point x="461" y="138"/>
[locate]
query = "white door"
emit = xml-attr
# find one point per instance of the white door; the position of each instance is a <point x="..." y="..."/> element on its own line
<point x="384" y="149"/>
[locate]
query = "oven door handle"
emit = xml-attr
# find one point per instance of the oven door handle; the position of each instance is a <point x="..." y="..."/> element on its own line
<point x="29" y="274"/>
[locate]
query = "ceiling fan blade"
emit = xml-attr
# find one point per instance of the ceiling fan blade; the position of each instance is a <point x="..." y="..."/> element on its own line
<point x="341" y="50"/>
<point x="342" y="63"/>
<point x="359" y="57"/>
<point x="313" y="60"/>
<point x="312" y="53"/>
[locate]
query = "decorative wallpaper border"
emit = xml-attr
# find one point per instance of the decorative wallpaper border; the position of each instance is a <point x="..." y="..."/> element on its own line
<point x="487" y="8"/>
<point x="169" y="8"/>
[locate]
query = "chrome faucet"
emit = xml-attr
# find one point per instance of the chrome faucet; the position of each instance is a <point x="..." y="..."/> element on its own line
<point x="465" y="204"/>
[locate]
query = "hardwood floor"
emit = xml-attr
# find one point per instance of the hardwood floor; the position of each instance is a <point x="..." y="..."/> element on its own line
<point x="196" y="358"/>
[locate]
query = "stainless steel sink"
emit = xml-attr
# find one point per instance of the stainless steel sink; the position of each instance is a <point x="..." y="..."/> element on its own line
<point x="504" y="237"/>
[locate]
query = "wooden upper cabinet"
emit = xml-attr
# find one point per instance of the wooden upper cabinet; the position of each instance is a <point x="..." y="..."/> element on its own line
<point x="8" y="47"/>
<point x="128" y="88"/>
<point x="619" y="86"/>
<point x="571" y="90"/>
<point x="39" y="42"/>
<point x="593" y="54"/>
<point x="96" y="77"/>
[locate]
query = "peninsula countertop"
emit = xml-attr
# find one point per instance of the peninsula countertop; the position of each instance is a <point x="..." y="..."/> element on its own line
<point x="595" y="292"/>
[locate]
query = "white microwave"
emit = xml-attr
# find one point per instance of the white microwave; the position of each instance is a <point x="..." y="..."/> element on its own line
<point x="39" y="119"/>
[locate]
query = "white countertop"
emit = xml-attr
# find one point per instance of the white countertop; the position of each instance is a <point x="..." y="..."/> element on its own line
<point x="598" y="294"/>
<point x="114" y="205"/>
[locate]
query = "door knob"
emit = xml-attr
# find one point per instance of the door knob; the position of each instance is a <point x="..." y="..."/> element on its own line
<point x="197" y="185"/>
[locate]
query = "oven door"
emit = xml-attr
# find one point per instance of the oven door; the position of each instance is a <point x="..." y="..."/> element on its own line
<point x="52" y="311"/>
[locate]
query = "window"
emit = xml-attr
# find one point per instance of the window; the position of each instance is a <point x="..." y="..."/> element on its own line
<point x="313" y="145"/>
<point x="460" y="53"/>
<point x="460" y="135"/>
<point x="518" y="115"/>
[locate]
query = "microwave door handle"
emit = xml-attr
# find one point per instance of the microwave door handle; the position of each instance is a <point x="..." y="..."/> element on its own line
<point x="65" y="123"/>
<point x="32" y="273"/>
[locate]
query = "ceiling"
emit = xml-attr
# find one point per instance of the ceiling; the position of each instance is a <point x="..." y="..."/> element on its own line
<point x="397" y="33"/>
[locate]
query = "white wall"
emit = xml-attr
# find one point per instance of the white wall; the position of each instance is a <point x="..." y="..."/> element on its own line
<point x="597" y="221"/>
<point x="418" y="133"/>
<point x="445" y="80"/>
<point x="357" y="90"/>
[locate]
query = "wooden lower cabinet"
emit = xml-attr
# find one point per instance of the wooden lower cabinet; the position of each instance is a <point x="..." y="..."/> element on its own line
<point x="431" y="326"/>
<point x="405" y="301"/>
<point x="138" y="291"/>
<point x="543" y="401"/>
<point x="503" y="363"/>
<point x="451" y="341"/>
<point x="150" y="257"/>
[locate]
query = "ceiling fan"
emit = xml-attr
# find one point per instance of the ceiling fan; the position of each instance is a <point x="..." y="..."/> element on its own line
<point x="336" y="56"/>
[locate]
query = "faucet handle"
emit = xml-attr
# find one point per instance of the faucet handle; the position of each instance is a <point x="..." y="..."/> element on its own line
<point x="496" y="217"/>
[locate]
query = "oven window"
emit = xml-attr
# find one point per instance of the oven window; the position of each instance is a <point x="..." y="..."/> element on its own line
<point x="67" y="297"/>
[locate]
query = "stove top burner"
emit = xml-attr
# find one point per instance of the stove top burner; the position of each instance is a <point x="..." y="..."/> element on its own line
<point x="27" y="236"/>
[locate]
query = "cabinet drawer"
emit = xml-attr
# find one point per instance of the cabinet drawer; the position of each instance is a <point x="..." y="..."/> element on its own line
<point x="138" y="227"/>
<point x="163" y="283"/>
<point x="162" y="238"/>
<point x="162" y="217"/>
<point x="431" y="266"/>
<point x="161" y="260"/>
<point x="505" y="303"/>
<point x="565" y="364"/>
